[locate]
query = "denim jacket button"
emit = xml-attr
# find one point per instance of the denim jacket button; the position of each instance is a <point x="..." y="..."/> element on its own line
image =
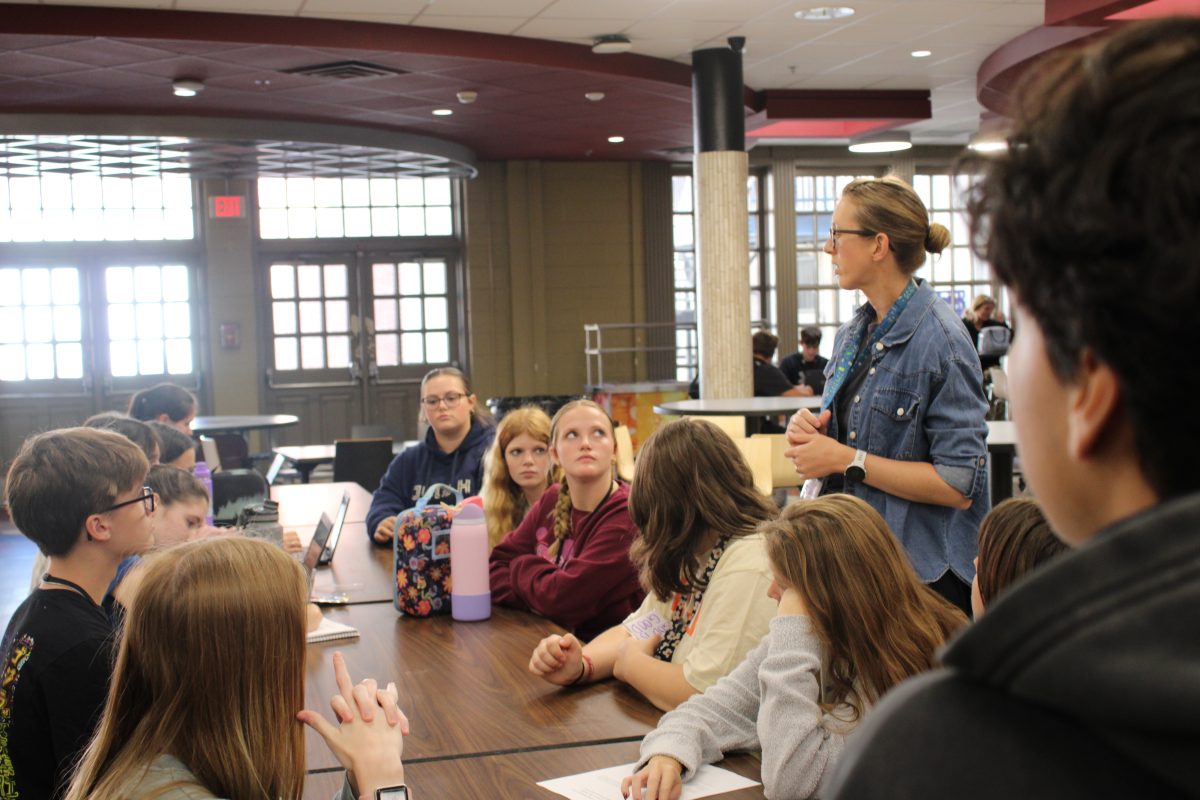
<point x="982" y="460"/>
<point x="853" y="435"/>
<point x="857" y="398"/>
<point x="899" y="412"/>
<point x="871" y="371"/>
<point x="879" y="345"/>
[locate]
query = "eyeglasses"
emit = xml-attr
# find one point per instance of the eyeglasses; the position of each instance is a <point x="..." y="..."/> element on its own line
<point x="146" y="498"/>
<point x="449" y="398"/>
<point x="835" y="232"/>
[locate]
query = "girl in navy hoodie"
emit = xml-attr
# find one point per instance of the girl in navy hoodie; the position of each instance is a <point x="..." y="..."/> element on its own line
<point x="452" y="452"/>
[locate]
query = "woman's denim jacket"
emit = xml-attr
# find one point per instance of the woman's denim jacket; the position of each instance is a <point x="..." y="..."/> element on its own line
<point x="922" y="400"/>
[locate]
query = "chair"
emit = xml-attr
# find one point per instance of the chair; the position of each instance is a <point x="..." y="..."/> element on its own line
<point x="757" y="453"/>
<point x="624" y="444"/>
<point x="393" y="432"/>
<point x="783" y="471"/>
<point x="231" y="449"/>
<point x="208" y="447"/>
<point x="233" y="490"/>
<point x="996" y="384"/>
<point x="734" y="426"/>
<point x="362" y="461"/>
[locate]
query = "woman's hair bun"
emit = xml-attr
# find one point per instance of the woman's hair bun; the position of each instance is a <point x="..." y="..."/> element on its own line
<point x="937" y="239"/>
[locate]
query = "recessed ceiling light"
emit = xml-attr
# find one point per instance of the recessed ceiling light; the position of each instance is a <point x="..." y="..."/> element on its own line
<point x="824" y="13"/>
<point x="611" y="43"/>
<point x="990" y="146"/>
<point x="616" y="139"/>
<point x="921" y="53"/>
<point x="187" y="87"/>
<point x="442" y="112"/>
<point x="595" y="97"/>
<point x="886" y="142"/>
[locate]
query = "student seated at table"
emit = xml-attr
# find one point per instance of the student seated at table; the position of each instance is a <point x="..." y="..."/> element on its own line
<point x="769" y="381"/>
<point x="853" y="620"/>
<point x="451" y="453"/>
<point x="166" y="403"/>
<point x="209" y="684"/>
<point x="78" y="494"/>
<point x="806" y="368"/>
<point x="135" y="430"/>
<point x="1014" y="539"/>
<point x="174" y="447"/>
<point x="703" y="563"/>
<point x="517" y="470"/>
<point x="569" y="558"/>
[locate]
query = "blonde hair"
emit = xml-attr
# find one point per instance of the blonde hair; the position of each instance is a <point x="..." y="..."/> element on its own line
<point x="210" y="670"/>
<point x="562" y="506"/>
<point x="504" y="503"/>
<point x="979" y="302"/>
<point x="889" y="205"/>
<point x="878" y="623"/>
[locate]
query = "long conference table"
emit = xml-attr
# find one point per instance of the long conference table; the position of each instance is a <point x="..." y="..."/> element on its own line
<point x="482" y="726"/>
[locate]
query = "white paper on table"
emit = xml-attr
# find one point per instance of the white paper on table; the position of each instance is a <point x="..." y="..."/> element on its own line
<point x="605" y="784"/>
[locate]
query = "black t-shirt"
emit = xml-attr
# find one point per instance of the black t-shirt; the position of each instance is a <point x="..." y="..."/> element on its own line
<point x="809" y="373"/>
<point x="57" y="664"/>
<point x="769" y="381"/>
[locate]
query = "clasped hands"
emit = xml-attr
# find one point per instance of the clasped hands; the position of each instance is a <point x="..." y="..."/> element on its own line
<point x="814" y="453"/>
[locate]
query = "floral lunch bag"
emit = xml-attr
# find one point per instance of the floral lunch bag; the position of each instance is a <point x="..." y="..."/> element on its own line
<point x="422" y="555"/>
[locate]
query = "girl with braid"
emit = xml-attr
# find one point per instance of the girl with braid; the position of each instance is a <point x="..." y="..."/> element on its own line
<point x="702" y="561"/>
<point x="569" y="558"/>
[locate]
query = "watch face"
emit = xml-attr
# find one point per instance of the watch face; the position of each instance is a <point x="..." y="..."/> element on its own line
<point x="856" y="474"/>
<point x="392" y="793"/>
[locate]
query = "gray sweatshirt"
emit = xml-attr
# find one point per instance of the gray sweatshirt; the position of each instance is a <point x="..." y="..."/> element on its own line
<point x="769" y="703"/>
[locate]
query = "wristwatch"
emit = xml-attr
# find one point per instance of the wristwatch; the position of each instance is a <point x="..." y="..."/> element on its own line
<point x="857" y="471"/>
<point x="392" y="793"/>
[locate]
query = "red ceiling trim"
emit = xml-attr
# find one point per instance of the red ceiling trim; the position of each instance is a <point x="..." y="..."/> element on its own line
<point x="94" y="21"/>
<point x="909" y="105"/>
<point x="1000" y="72"/>
<point x="1084" y="12"/>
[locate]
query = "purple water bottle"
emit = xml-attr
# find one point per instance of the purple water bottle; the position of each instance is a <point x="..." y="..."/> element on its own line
<point x="204" y="475"/>
<point x="470" y="590"/>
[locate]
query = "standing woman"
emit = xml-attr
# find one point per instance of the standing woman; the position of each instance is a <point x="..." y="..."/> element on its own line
<point x="451" y="453"/>
<point x="983" y="314"/>
<point x="167" y="403"/>
<point x="902" y="417"/>
<point x="569" y="558"/>
<point x="517" y="470"/>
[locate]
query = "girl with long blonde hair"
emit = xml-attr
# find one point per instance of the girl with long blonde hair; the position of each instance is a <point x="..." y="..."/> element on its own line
<point x="702" y="562"/>
<point x="517" y="470"/>
<point x="569" y="558"/>
<point x="853" y="620"/>
<point x="209" y="685"/>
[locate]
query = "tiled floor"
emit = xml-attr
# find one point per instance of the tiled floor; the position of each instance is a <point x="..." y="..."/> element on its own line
<point x="16" y="563"/>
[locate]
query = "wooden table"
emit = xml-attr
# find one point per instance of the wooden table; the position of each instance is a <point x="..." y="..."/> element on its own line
<point x="360" y="570"/>
<point x="466" y="688"/>
<point x="301" y="504"/>
<point x="307" y="457"/>
<point x="1002" y="446"/>
<point x="514" y="776"/>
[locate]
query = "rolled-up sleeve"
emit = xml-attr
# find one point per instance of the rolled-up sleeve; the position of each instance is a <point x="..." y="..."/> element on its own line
<point x="956" y="424"/>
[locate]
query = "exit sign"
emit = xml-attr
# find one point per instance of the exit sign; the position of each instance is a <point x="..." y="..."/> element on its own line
<point x="232" y="206"/>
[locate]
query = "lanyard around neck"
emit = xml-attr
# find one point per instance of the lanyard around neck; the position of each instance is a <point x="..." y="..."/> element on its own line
<point x="48" y="578"/>
<point x="854" y="355"/>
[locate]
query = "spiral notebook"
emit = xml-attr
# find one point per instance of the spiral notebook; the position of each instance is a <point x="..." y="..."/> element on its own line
<point x="329" y="631"/>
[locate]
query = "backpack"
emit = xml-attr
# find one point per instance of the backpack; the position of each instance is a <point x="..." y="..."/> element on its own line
<point x="421" y="550"/>
<point x="994" y="340"/>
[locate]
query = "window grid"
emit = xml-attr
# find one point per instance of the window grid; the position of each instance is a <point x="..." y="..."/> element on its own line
<point x="333" y="208"/>
<point x="86" y="207"/>
<point x="310" y="316"/>
<point x="41" y="324"/>
<point x="957" y="275"/>
<point x="411" y="312"/>
<point x="149" y="320"/>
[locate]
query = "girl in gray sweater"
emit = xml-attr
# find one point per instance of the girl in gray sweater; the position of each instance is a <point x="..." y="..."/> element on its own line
<point x="853" y="621"/>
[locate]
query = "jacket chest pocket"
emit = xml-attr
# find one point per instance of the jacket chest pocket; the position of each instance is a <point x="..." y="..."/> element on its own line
<point x="894" y="423"/>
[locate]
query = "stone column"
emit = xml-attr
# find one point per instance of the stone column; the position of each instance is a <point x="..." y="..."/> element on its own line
<point x="722" y="241"/>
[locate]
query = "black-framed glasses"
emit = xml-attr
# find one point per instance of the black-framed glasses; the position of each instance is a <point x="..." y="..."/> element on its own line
<point x="146" y="498"/>
<point x="451" y="399"/>
<point x="835" y="232"/>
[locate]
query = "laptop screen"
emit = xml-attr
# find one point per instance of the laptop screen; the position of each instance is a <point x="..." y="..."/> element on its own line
<point x="313" y="554"/>
<point x="339" y="520"/>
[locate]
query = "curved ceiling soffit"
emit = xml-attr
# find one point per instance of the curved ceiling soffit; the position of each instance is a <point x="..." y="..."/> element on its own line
<point x="330" y="33"/>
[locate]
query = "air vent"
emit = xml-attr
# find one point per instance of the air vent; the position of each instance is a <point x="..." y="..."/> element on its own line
<point x="345" y="70"/>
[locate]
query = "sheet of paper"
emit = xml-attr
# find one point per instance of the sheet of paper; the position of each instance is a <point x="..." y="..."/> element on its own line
<point x="647" y="626"/>
<point x="605" y="784"/>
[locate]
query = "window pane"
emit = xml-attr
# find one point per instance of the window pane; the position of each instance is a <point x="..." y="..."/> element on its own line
<point x="150" y="357"/>
<point x="356" y="192"/>
<point x="328" y="192"/>
<point x="329" y="223"/>
<point x="37" y="287"/>
<point x="384" y="222"/>
<point x="383" y="192"/>
<point x="300" y="193"/>
<point x="412" y="350"/>
<point x="12" y="362"/>
<point x="312" y="352"/>
<point x="68" y="326"/>
<point x="174" y="284"/>
<point x="286" y="356"/>
<point x="383" y="278"/>
<point x="86" y="193"/>
<point x="177" y="323"/>
<point x="335" y="280"/>
<point x="177" y="192"/>
<point x="147" y="286"/>
<point x="272" y="193"/>
<point x="437" y="191"/>
<point x="56" y="191"/>
<point x="309" y="280"/>
<point x="122" y="359"/>
<point x="310" y="317"/>
<point x="149" y="323"/>
<point x="439" y="222"/>
<point x="272" y="223"/>
<point x="681" y="193"/>
<point x="121" y="322"/>
<point x="387" y="350"/>
<point x="358" y="222"/>
<point x="683" y="231"/>
<point x="385" y="315"/>
<point x="337" y="316"/>
<point x="302" y="222"/>
<point x="438" y="348"/>
<point x="435" y="313"/>
<point x="435" y="277"/>
<point x="410" y="192"/>
<point x="410" y="314"/>
<point x="12" y="325"/>
<point x="283" y="316"/>
<point x="10" y="288"/>
<point x="39" y="325"/>
<point x="412" y="221"/>
<point x="410" y="278"/>
<point x="147" y="193"/>
<point x="339" y="351"/>
<point x="179" y="356"/>
<point x="283" y="283"/>
<point x="39" y="362"/>
<point x="69" y="360"/>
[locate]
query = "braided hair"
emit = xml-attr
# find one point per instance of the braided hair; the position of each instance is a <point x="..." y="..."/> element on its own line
<point x="562" y="507"/>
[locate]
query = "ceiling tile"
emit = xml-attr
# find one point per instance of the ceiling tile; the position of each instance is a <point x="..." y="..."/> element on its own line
<point x="481" y="24"/>
<point x="486" y="8"/>
<point x="353" y="7"/>
<point x="102" y="52"/>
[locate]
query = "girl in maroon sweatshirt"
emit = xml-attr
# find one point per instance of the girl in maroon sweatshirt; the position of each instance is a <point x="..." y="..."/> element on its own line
<point x="569" y="558"/>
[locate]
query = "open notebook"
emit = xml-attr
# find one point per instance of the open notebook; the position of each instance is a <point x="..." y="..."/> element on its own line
<point x="329" y="631"/>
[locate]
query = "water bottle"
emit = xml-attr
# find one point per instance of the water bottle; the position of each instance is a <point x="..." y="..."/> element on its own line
<point x="204" y="475"/>
<point x="470" y="591"/>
